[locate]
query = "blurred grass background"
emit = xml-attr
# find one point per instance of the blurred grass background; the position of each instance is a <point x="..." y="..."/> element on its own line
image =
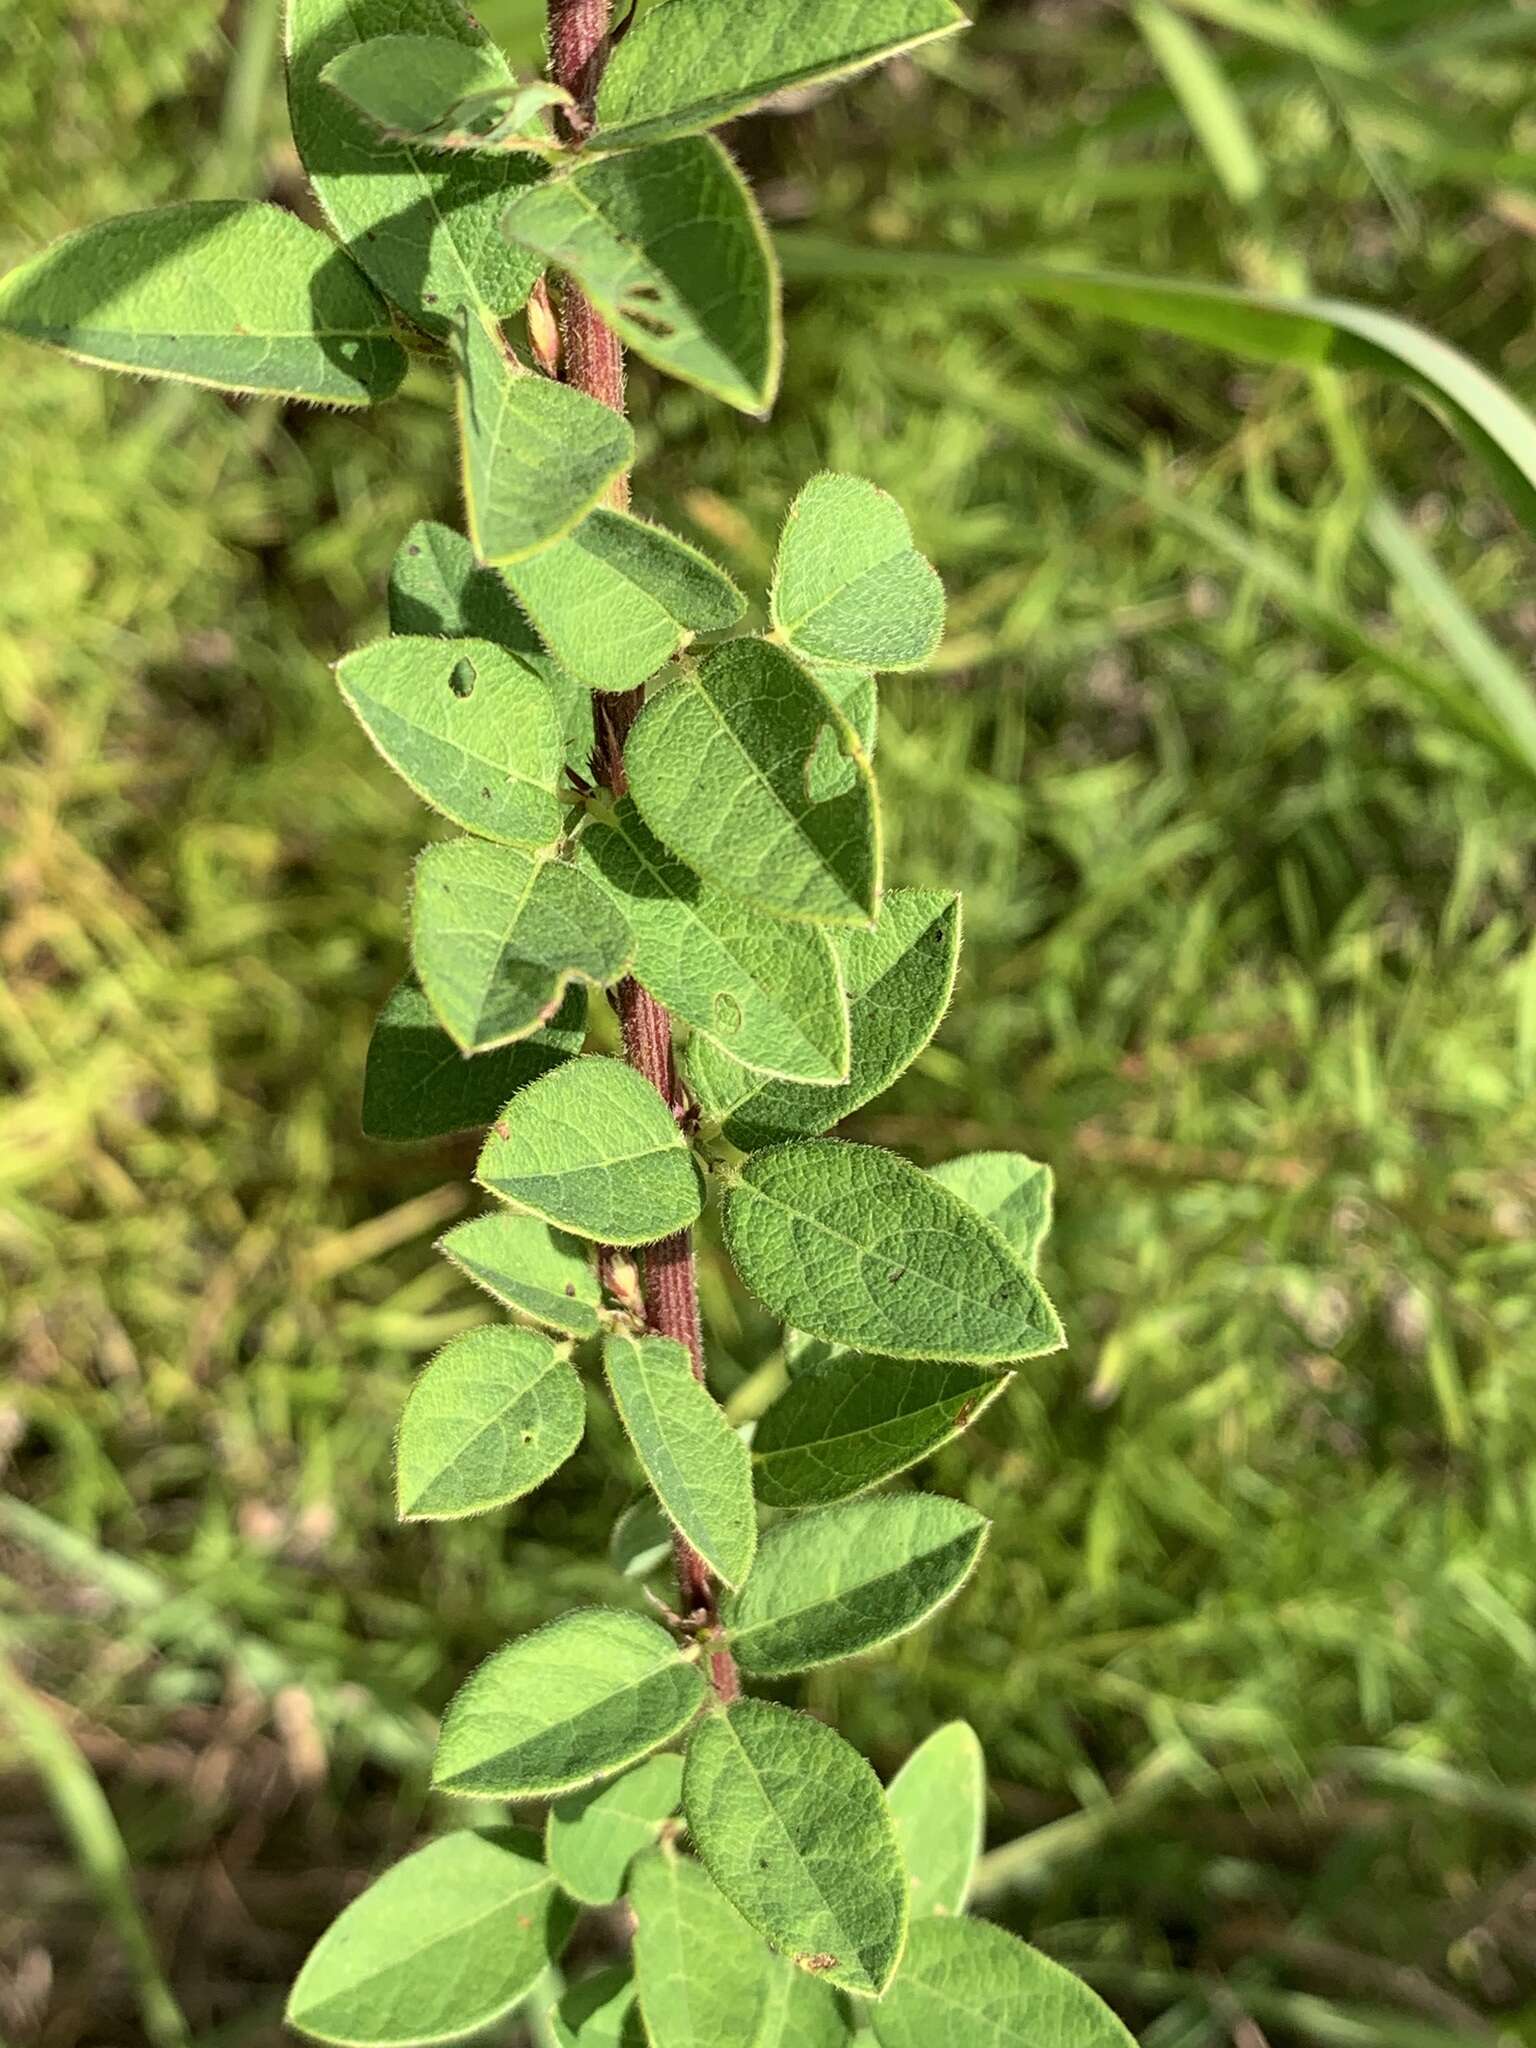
<point x="1249" y="961"/>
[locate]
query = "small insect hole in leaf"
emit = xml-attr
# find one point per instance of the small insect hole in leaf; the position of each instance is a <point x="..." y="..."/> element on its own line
<point x="461" y="679"/>
<point x="828" y="771"/>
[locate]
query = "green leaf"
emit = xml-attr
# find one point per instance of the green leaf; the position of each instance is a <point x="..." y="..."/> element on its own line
<point x="771" y="991"/>
<point x="443" y="1944"/>
<point x="598" y="1152"/>
<point x="228" y="293"/>
<point x="529" y="1268"/>
<point x="853" y="691"/>
<point x="536" y="455"/>
<point x="758" y="1788"/>
<point x="590" y="1693"/>
<point x="1013" y="1192"/>
<point x="703" y="1974"/>
<point x="497" y="937"/>
<point x="417" y="1084"/>
<point x="938" y="1800"/>
<point x="472" y="731"/>
<point x="966" y="1982"/>
<point x="699" y="1467"/>
<point x="446" y="95"/>
<point x="601" y="2011"/>
<point x="593" y="1836"/>
<point x="423" y="226"/>
<point x="856" y="1245"/>
<point x="900" y="978"/>
<point x="848" y="586"/>
<point x="641" y="1540"/>
<point x="691" y="64"/>
<point x="492" y="1416"/>
<point x="853" y="1422"/>
<point x="721" y="769"/>
<point x="799" y="2011"/>
<point x="669" y="246"/>
<point x="437" y="586"/>
<point x="617" y="598"/>
<point x="846" y="1579"/>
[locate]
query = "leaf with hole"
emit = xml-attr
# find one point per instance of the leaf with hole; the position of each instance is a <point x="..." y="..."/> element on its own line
<point x="436" y="586"/>
<point x="587" y="1695"/>
<point x="418" y="1084"/>
<point x="859" y="1246"/>
<point x="846" y="1579"/>
<point x="854" y="1421"/>
<point x="600" y="2011"/>
<point x="492" y="1416"/>
<point x="617" y="598"/>
<point x="424" y="227"/>
<point x="443" y="1944"/>
<point x="529" y="1268"/>
<point x="497" y="937"/>
<point x="536" y="455"/>
<point x="966" y="1981"/>
<point x="669" y="246"/>
<point x="724" y="767"/>
<point x="791" y="1824"/>
<point x="1013" y="1192"/>
<point x="702" y="1972"/>
<point x="698" y="1467"/>
<point x="691" y="64"/>
<point x="900" y="978"/>
<point x="228" y="293"/>
<point x="848" y="586"/>
<point x="938" y="1800"/>
<point x="593" y="1836"/>
<point x="444" y="95"/>
<point x="471" y="730"/>
<point x="598" y="1152"/>
<point x="771" y="991"/>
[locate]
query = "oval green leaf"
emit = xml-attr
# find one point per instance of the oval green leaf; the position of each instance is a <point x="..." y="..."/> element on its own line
<point x="598" y="1153"/>
<point x="1012" y="1191"/>
<point x="441" y="1945"/>
<point x="848" y="586"/>
<point x="228" y="293"/>
<point x="698" y="1466"/>
<point x="966" y="1981"/>
<point x="492" y="1416"/>
<point x="600" y="2011"/>
<point x="530" y="1268"/>
<point x="759" y="1784"/>
<point x="856" y="1245"/>
<point x="418" y="1084"/>
<point x="594" y="1691"/>
<point x="593" y="1836"/>
<point x="702" y="1972"/>
<point x="721" y="769"/>
<point x="443" y="95"/>
<point x="938" y="1800"/>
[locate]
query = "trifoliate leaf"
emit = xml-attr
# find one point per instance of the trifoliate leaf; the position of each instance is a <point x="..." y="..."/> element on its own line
<point x="690" y="64"/>
<point x="900" y="978"/>
<point x="600" y="2011"/>
<point x="617" y="598"/>
<point x="497" y="937"/>
<point x="861" y="1247"/>
<point x="722" y="767"/>
<point x="537" y="455"/>
<point x="228" y="293"/>
<point x="965" y="1982"/>
<point x="530" y="1268"/>
<point x="699" y="1467"/>
<point x="855" y="1421"/>
<point x="938" y="1800"/>
<point x="791" y="1824"/>
<point x="593" y="1836"/>
<point x="846" y="1579"/>
<point x="769" y="990"/>
<point x="472" y="731"/>
<point x="669" y="246"/>
<point x="641" y="1540"/>
<point x="1010" y="1190"/>
<point x="425" y="227"/>
<point x="702" y="1973"/>
<point x="849" y="586"/>
<point x="444" y="95"/>
<point x="437" y="586"/>
<point x="418" y="1084"/>
<point x="598" y="1153"/>
<point x="441" y="1945"/>
<point x="493" y="1415"/>
<point x="594" y="1691"/>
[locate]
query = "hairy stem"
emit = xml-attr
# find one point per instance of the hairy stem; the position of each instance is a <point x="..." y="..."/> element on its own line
<point x="593" y="361"/>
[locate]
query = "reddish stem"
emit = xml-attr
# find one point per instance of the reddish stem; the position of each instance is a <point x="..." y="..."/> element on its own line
<point x="593" y="361"/>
